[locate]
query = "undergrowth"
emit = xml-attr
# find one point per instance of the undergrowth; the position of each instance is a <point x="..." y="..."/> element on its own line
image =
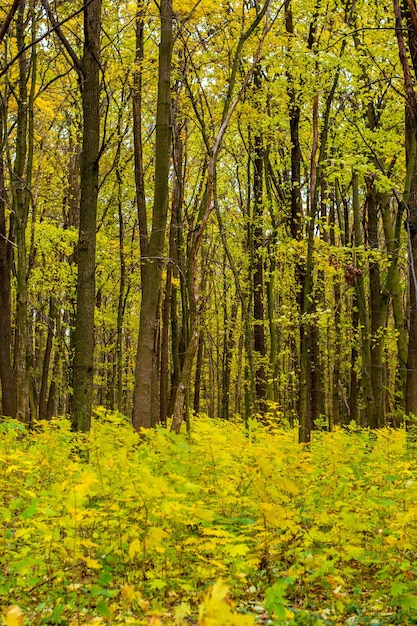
<point x="224" y="526"/>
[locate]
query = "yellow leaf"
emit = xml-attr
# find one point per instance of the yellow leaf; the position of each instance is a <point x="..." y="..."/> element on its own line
<point x="87" y="543"/>
<point x="134" y="548"/>
<point x="87" y="479"/>
<point x="219" y="591"/>
<point x="128" y="592"/>
<point x="91" y="563"/>
<point x="13" y="616"/>
<point x="239" y="549"/>
<point x="287" y="485"/>
<point x="143" y="604"/>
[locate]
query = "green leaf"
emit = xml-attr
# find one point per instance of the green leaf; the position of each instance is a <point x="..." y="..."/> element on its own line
<point x="397" y="589"/>
<point x="408" y="602"/>
<point x="30" y="510"/>
<point x="103" y="609"/>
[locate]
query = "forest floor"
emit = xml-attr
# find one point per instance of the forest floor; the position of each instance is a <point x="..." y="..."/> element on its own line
<point x="224" y="526"/>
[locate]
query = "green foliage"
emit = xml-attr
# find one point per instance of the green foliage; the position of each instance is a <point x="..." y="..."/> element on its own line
<point x="139" y="532"/>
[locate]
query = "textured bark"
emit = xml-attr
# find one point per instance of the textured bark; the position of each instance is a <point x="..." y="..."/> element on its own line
<point x="83" y="389"/>
<point x="335" y="413"/>
<point x="229" y="321"/>
<point x="21" y="199"/>
<point x="8" y="392"/>
<point x="294" y="115"/>
<point x="137" y="135"/>
<point x="354" y="383"/>
<point x="47" y="359"/>
<point x="363" y="313"/>
<point x="411" y="200"/>
<point x="392" y="242"/>
<point x="260" y="348"/>
<point x="316" y="365"/>
<point x="377" y="314"/>
<point x="410" y="196"/>
<point x="177" y="201"/>
<point x="146" y="393"/>
<point x="198" y="374"/>
<point x="121" y="300"/>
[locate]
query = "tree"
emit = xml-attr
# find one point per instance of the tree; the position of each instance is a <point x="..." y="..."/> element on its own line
<point x="146" y="393"/>
<point x="409" y="16"/>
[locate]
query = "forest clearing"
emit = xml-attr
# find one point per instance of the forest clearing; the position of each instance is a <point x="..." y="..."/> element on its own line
<point x="220" y="527"/>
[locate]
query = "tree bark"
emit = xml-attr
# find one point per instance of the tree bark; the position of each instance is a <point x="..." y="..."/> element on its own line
<point x="410" y="196"/>
<point x="8" y="391"/>
<point x="21" y="200"/>
<point x="258" y="271"/>
<point x="146" y="392"/>
<point x="83" y="383"/>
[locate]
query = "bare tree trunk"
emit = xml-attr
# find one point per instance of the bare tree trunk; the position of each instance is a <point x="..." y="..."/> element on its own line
<point x="409" y="16"/>
<point x="392" y="242"/>
<point x="258" y="271"/>
<point x="21" y="200"/>
<point x="8" y="392"/>
<point x="82" y="400"/>
<point x="146" y="393"/>
<point x="47" y="359"/>
<point x="411" y="199"/>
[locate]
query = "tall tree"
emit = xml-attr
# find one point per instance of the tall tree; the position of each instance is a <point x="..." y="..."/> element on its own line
<point x="146" y="392"/>
<point x="89" y="69"/>
<point x="409" y="17"/>
<point x="21" y="194"/>
<point x="8" y="391"/>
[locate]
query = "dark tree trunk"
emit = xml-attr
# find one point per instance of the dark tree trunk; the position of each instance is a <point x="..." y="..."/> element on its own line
<point x="8" y="392"/>
<point x="146" y="410"/>
<point x="410" y="196"/>
<point x="47" y="359"/>
<point x="21" y="200"/>
<point x="411" y="200"/>
<point x="83" y="388"/>
<point x="258" y="273"/>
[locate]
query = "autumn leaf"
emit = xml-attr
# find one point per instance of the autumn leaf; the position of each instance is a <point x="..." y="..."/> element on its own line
<point x="13" y="616"/>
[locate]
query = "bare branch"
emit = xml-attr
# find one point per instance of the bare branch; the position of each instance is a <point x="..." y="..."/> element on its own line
<point x="8" y="19"/>
<point x="57" y="28"/>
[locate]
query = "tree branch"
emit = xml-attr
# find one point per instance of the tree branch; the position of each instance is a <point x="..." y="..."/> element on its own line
<point x="41" y="38"/>
<point x="408" y="81"/>
<point x="57" y="28"/>
<point x="8" y="19"/>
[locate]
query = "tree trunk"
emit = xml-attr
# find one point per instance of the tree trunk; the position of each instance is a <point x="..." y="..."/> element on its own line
<point x="411" y="200"/>
<point x="83" y="384"/>
<point x="8" y="392"/>
<point x="258" y="272"/>
<point x="47" y="358"/>
<point x="410" y="196"/>
<point x="377" y="313"/>
<point x="392" y="243"/>
<point x="146" y="393"/>
<point x="363" y="314"/>
<point x="21" y="200"/>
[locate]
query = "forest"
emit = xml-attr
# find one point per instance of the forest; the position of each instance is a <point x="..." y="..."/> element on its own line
<point x="208" y="312"/>
<point x="214" y="216"/>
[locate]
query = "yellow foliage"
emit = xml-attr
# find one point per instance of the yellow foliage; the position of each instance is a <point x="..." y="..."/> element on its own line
<point x="216" y="610"/>
<point x="168" y="517"/>
<point x="13" y="616"/>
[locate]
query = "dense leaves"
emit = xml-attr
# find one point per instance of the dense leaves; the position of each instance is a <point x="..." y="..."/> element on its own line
<point x="117" y="529"/>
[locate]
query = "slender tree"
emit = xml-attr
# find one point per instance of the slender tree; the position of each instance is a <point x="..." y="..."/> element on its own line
<point x="146" y="411"/>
